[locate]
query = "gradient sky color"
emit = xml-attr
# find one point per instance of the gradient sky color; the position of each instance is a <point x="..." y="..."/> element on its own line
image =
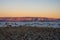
<point x="30" y="8"/>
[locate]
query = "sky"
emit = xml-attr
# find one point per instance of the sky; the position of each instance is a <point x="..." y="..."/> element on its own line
<point x="30" y="8"/>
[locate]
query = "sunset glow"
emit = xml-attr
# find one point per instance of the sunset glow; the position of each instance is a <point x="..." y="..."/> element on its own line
<point x="30" y="8"/>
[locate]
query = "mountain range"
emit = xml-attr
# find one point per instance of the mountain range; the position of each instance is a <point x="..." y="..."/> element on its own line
<point x="28" y="19"/>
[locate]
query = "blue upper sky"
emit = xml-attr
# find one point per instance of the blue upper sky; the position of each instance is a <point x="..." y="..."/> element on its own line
<point x="32" y="6"/>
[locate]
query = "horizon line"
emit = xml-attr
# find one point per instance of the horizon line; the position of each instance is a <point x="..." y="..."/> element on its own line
<point x="32" y="17"/>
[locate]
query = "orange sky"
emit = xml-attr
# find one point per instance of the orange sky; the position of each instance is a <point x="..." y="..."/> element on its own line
<point x="30" y="8"/>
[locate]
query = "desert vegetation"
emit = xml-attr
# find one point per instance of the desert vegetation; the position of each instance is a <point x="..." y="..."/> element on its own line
<point x="29" y="33"/>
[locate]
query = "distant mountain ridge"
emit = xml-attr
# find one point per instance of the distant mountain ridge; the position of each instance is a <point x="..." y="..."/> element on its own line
<point x="28" y="19"/>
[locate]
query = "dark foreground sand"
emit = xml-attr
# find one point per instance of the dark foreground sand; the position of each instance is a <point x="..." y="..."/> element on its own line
<point x="29" y="33"/>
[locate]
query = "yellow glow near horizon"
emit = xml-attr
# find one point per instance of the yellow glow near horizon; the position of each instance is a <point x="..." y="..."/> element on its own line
<point x="30" y="8"/>
<point x="30" y="14"/>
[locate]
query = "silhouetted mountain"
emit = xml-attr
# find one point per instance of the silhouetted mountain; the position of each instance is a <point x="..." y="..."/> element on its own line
<point x="28" y="19"/>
